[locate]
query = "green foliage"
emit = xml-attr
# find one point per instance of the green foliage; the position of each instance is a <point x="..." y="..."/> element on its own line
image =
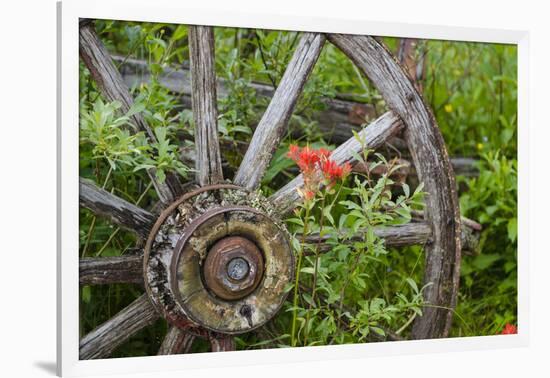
<point x="110" y="140"/>
<point x="497" y="257"/>
<point x="359" y="290"/>
<point x="342" y="298"/>
<point x="104" y="130"/>
<point x="238" y="110"/>
<point x="472" y="89"/>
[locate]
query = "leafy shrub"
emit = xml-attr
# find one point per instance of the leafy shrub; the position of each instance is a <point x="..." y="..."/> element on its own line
<point x="497" y="251"/>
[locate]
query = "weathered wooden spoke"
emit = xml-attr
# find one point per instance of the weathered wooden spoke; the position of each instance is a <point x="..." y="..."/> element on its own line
<point x="111" y="85"/>
<point x="104" y="339"/>
<point x="203" y="81"/>
<point x="221" y="343"/>
<point x="121" y="212"/>
<point x="442" y="267"/>
<point x="394" y="236"/>
<point x="111" y="270"/>
<point x="275" y="120"/>
<point x="176" y="341"/>
<point x="415" y="233"/>
<point x="371" y="137"/>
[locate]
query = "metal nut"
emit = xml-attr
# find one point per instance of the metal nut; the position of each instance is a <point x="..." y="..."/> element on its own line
<point x="233" y="268"/>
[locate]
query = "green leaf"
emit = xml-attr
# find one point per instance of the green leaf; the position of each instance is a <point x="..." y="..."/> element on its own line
<point x="412" y="284"/>
<point x="279" y="163"/>
<point x="86" y="294"/>
<point x="137" y="107"/>
<point x="406" y="190"/>
<point x="180" y="32"/>
<point x="378" y="330"/>
<point x="327" y="213"/>
<point x="289" y="286"/>
<point x="161" y="176"/>
<point x="512" y="229"/>
<point x="484" y="261"/>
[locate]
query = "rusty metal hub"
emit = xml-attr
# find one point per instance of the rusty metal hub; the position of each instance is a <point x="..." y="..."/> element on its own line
<point x="218" y="259"/>
<point x="233" y="268"/>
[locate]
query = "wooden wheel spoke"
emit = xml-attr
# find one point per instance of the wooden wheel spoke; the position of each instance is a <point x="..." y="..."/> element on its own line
<point x="111" y="85"/>
<point x="104" y="339"/>
<point x="274" y="121"/>
<point x="121" y="212"/>
<point x="414" y="233"/>
<point x="111" y="270"/>
<point x="221" y="343"/>
<point x="427" y="147"/>
<point x="371" y="137"/>
<point x="205" y="114"/>
<point x="394" y="236"/>
<point x="176" y="341"/>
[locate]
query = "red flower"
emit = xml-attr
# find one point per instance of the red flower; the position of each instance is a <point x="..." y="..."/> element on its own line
<point x="347" y="169"/>
<point x="334" y="172"/>
<point x="323" y="153"/>
<point x="509" y="329"/>
<point x="294" y="152"/>
<point x="306" y="158"/>
<point x="309" y="194"/>
<point x="315" y="166"/>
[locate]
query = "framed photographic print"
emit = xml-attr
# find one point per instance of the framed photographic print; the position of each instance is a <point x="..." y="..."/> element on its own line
<point x="285" y="188"/>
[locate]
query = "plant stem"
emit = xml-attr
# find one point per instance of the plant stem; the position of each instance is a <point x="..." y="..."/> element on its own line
<point x="111" y="237"/>
<point x="271" y="78"/>
<point x="350" y="273"/>
<point x="315" y="270"/>
<point x="89" y="236"/>
<point x="297" y="278"/>
<point x="407" y="323"/>
<point x="92" y="225"/>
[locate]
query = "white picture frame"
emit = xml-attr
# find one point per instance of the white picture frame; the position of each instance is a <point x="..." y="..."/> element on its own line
<point x="173" y="11"/>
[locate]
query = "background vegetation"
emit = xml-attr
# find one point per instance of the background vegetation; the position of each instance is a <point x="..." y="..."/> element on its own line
<point x="472" y="90"/>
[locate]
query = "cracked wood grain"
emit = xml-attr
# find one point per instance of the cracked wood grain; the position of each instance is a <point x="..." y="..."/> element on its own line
<point x="220" y="342"/>
<point x="176" y="341"/>
<point x="274" y="121"/>
<point x="336" y="122"/>
<point x="103" y="340"/>
<point x="203" y="81"/>
<point x="111" y="270"/>
<point x="120" y="212"/>
<point x="414" y="233"/>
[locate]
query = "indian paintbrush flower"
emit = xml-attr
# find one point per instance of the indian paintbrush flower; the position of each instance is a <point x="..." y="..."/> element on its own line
<point x="317" y="169"/>
<point x="509" y="329"/>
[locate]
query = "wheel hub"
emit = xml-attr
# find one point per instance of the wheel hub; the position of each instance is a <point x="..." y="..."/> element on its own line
<point x="233" y="268"/>
<point x="218" y="258"/>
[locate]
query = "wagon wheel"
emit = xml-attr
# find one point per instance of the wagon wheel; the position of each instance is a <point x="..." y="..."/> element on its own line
<point x="217" y="259"/>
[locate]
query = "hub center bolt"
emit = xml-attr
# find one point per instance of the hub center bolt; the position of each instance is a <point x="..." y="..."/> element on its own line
<point x="238" y="269"/>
